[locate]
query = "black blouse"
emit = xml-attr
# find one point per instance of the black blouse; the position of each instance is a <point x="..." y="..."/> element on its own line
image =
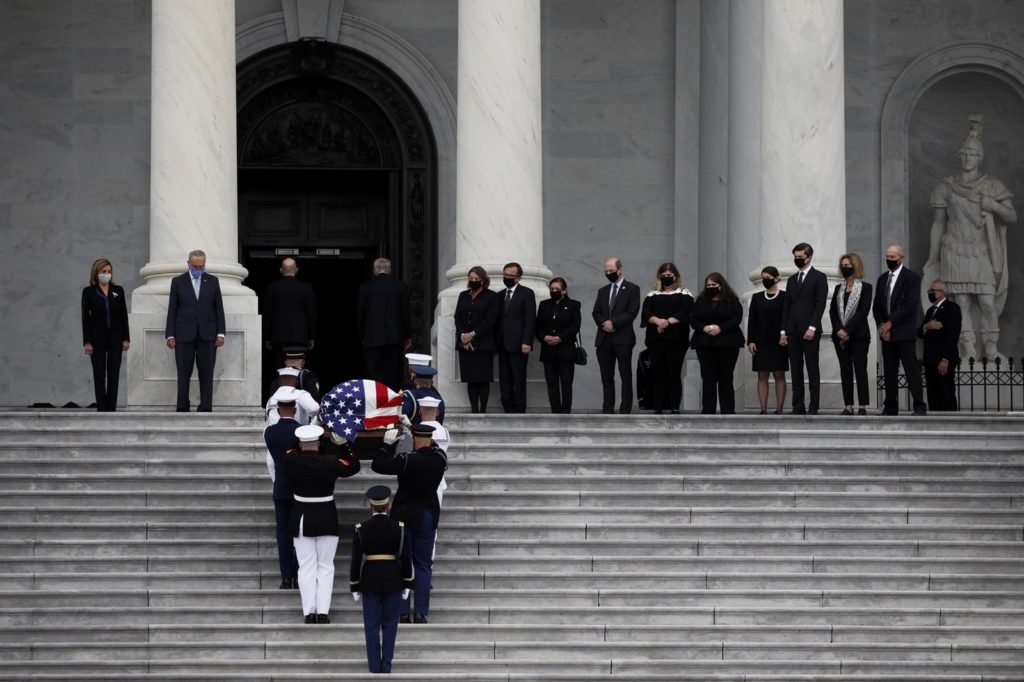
<point x="677" y="305"/>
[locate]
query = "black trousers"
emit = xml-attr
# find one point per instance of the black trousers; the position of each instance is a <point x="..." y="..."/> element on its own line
<point x="607" y="357"/>
<point x="801" y="352"/>
<point x="478" y="392"/>
<point x="941" y="389"/>
<point x="106" y="368"/>
<point x="385" y="364"/>
<point x="853" y="363"/>
<point x="286" y="560"/>
<point x="559" y="374"/>
<point x="895" y="353"/>
<point x="512" y="380"/>
<point x="716" y="372"/>
<point x="202" y="355"/>
<point x="666" y="374"/>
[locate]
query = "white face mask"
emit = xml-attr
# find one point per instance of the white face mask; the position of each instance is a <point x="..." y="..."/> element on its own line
<point x="104" y="277"/>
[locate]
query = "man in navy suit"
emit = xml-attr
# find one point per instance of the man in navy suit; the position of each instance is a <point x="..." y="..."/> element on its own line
<point x="517" y="318"/>
<point x="280" y="438"/>
<point x="195" y="328"/>
<point x="941" y="333"/>
<point x="615" y="309"/>
<point x="805" y="299"/>
<point x="897" y="300"/>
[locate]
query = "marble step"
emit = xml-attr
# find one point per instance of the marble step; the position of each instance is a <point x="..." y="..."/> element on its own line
<point x="286" y="611"/>
<point x="483" y="547"/>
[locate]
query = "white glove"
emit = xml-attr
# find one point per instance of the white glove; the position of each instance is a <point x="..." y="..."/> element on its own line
<point x="405" y="595"/>
<point x="356" y="596"/>
<point x="390" y="436"/>
<point x="405" y="421"/>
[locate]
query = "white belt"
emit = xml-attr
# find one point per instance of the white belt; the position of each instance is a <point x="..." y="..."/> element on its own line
<point x="311" y="500"/>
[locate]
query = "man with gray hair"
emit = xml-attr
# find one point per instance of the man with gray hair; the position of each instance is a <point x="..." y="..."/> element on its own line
<point x="941" y="334"/>
<point x="383" y="323"/>
<point x="195" y="329"/>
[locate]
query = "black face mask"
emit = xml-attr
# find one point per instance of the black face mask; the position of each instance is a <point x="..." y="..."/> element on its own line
<point x="932" y="297"/>
<point x="667" y="280"/>
<point x="800" y="262"/>
<point x="711" y="292"/>
<point x="555" y="295"/>
<point x="892" y="264"/>
<point x="509" y="282"/>
<point x="613" y="277"/>
<point x="847" y="271"/>
<point x="474" y="285"/>
<point x="768" y="282"/>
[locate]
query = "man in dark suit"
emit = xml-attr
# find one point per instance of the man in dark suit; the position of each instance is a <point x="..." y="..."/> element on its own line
<point x="897" y="299"/>
<point x="517" y="318"/>
<point x="941" y="333"/>
<point x="805" y="300"/>
<point x="280" y="438"/>
<point x="289" y="313"/>
<point x="617" y="305"/>
<point x="383" y="323"/>
<point x="195" y="329"/>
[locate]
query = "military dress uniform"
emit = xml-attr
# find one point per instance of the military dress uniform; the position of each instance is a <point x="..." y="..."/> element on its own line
<point x="381" y="569"/>
<point x="280" y="438"/>
<point x="314" y="521"/>
<point x="308" y="382"/>
<point x="416" y="504"/>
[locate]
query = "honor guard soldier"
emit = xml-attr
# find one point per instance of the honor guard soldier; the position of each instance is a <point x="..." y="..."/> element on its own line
<point x="423" y="378"/>
<point x="415" y="360"/>
<point x="314" y="519"/>
<point x="295" y="358"/>
<point x="416" y="504"/>
<point x="305" y="406"/>
<point x="381" y="575"/>
<point x="280" y="438"/>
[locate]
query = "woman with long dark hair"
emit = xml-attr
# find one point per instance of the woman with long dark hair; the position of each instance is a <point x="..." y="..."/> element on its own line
<point x="666" y="316"/>
<point x="716" y="318"/>
<point x="104" y="331"/>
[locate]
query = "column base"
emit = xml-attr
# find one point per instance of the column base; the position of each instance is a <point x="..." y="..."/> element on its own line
<point x="152" y="375"/>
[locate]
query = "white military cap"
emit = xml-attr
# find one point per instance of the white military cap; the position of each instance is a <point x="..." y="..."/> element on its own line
<point x="285" y="395"/>
<point x="418" y="359"/>
<point x="288" y="371"/>
<point x="427" y="401"/>
<point x="309" y="433"/>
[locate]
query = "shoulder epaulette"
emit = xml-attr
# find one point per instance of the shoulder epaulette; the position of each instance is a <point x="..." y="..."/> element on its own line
<point x="358" y="526"/>
<point x="401" y="524"/>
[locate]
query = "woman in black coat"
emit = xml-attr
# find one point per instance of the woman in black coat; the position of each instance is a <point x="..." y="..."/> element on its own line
<point x="763" y="325"/>
<point x="851" y="336"/>
<point x="716" y="318"/>
<point x="666" y="315"/>
<point x="476" y="314"/>
<point x="104" y="331"/>
<point x="558" y="323"/>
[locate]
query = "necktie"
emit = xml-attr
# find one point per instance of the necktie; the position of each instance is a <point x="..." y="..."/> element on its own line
<point x="611" y="301"/>
<point x="800" y="279"/>
<point x="195" y="286"/>
<point x="888" y="293"/>
<point x="508" y="299"/>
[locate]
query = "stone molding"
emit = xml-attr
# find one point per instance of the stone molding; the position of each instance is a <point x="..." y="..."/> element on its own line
<point x="913" y="82"/>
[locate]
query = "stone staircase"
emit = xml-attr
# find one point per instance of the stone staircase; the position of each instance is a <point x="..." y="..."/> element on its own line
<point x="141" y="546"/>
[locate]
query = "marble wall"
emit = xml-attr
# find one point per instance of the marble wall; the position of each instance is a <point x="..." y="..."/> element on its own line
<point x="74" y="180"/>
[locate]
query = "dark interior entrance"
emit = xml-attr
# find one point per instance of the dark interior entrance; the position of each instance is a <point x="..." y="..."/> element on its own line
<point x="334" y="224"/>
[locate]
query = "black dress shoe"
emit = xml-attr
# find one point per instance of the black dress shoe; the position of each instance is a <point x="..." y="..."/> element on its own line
<point x="812" y="411"/>
<point x="920" y="412"/>
<point x="607" y="411"/>
<point x="673" y="411"/>
<point x="862" y="412"/>
<point x="286" y="584"/>
<point x="311" y="619"/>
<point x="404" y="618"/>
<point x="779" y="411"/>
<point x="322" y="618"/>
<point x="295" y="583"/>
<point x="420" y="619"/>
<point x="763" y="412"/>
<point x="847" y="411"/>
<point x="798" y="410"/>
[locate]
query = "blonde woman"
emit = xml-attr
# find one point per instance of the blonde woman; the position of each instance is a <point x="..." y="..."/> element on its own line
<point x="104" y="331"/>
<point x="851" y="336"/>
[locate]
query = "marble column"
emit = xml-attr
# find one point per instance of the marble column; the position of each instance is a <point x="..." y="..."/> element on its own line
<point x="193" y="200"/>
<point x="499" y="186"/>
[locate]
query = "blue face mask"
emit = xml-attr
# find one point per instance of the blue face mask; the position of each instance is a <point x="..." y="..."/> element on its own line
<point x="196" y="272"/>
<point x="104" y="277"/>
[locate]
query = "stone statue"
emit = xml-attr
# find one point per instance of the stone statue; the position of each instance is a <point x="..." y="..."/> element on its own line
<point x="968" y="244"/>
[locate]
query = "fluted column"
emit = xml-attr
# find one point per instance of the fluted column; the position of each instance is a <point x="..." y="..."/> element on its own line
<point x="193" y="198"/>
<point x="499" y="188"/>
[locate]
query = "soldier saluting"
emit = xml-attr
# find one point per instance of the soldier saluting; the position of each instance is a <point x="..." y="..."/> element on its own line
<point x="381" y="575"/>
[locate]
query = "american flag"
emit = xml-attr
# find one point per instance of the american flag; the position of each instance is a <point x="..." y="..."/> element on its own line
<point x="359" y="404"/>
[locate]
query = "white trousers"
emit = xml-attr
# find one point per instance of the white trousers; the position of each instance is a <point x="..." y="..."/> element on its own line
<point x="316" y="572"/>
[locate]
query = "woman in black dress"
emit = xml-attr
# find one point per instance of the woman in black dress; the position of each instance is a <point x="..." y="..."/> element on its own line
<point x="851" y="336"/>
<point x="476" y="313"/>
<point x="558" y="322"/>
<point x="716" y="318"/>
<point x="763" y="326"/>
<point x="104" y="331"/>
<point x="666" y="315"/>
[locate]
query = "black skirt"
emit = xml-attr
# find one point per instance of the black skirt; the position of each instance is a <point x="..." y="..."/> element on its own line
<point x="771" y="357"/>
<point x="476" y="367"/>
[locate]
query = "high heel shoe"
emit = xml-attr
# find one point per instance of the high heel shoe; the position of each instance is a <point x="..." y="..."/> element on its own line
<point x="847" y="411"/>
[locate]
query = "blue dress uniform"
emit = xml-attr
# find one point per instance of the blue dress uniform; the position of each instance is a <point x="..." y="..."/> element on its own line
<point x="381" y="569"/>
<point x="416" y="504"/>
<point x="279" y="439"/>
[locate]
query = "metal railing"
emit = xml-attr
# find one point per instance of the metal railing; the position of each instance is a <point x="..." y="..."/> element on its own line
<point x="984" y="386"/>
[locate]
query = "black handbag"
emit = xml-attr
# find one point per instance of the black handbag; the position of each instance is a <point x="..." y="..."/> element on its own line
<point x="580" y="358"/>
